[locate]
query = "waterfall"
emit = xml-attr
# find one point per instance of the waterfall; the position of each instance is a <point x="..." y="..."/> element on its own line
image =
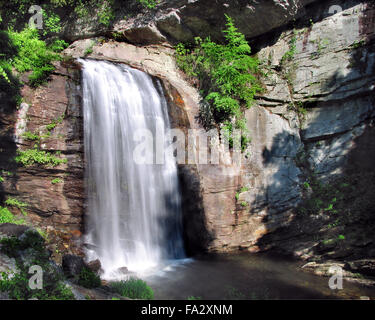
<point x="133" y="214"/>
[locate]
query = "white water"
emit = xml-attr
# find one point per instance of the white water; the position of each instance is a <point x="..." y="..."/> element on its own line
<point x="133" y="214"/>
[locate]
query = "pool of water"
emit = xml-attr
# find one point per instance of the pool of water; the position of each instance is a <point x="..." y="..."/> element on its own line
<point x="245" y="277"/>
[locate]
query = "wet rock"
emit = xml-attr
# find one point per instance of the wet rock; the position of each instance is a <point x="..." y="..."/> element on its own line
<point x="326" y="246"/>
<point x="94" y="265"/>
<point x="72" y="265"/>
<point x="124" y="270"/>
<point x="364" y="266"/>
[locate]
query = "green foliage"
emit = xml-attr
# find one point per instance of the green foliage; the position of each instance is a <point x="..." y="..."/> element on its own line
<point x="133" y="288"/>
<point x="341" y="237"/>
<point x="33" y="55"/>
<point x="7" y="217"/>
<point x="56" y="181"/>
<point x="12" y="202"/>
<point x="9" y="84"/>
<point x="51" y="22"/>
<point x="88" y="279"/>
<point x="54" y="123"/>
<point x="358" y="44"/>
<point x="323" y="199"/>
<point x="227" y="75"/>
<point x="58" y="45"/>
<point x="105" y="13"/>
<point x="31" y="136"/>
<point x="88" y="51"/>
<point x="191" y="298"/>
<point x="242" y="190"/>
<point x="150" y="4"/>
<point x="1" y="179"/>
<point x="35" y="156"/>
<point x="289" y="55"/>
<point x="244" y="204"/>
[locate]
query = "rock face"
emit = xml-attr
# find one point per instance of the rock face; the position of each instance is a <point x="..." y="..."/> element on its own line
<point x="182" y="20"/>
<point x="314" y="120"/>
<point x="54" y="195"/>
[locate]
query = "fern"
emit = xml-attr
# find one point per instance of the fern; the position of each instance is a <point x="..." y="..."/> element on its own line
<point x="227" y="76"/>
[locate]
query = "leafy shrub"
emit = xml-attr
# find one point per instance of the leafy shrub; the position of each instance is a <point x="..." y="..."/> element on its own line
<point x="227" y="76"/>
<point x="30" y="136"/>
<point x="35" y="156"/>
<point x="51" y="22"/>
<point x="133" y="288"/>
<point x="32" y="54"/>
<point x="88" y="279"/>
<point x="105" y="13"/>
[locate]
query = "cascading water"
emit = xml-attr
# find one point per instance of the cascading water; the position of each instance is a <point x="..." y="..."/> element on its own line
<point x="133" y="215"/>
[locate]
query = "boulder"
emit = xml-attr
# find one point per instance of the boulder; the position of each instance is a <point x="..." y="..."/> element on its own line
<point x="94" y="265"/>
<point x="72" y="265"/>
<point x="12" y="230"/>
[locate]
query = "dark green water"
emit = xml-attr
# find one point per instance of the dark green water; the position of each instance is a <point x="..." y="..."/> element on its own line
<point x="246" y="277"/>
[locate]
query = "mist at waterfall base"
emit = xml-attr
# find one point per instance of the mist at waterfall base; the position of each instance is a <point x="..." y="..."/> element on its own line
<point x="133" y="214"/>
